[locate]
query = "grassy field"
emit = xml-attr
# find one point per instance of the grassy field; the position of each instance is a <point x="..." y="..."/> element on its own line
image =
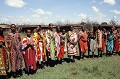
<point x="98" y="68"/>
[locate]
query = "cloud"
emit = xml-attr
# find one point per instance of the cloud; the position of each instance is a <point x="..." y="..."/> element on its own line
<point x="58" y="16"/>
<point x="19" y="20"/>
<point x="83" y="16"/>
<point x="49" y="13"/>
<point x="99" y="16"/>
<point x="4" y="19"/>
<point x="38" y="16"/>
<point x="15" y="3"/>
<point x="95" y="9"/>
<point x="93" y="1"/>
<point x="33" y="19"/>
<point x="115" y="17"/>
<point x="110" y="2"/>
<point x="40" y="12"/>
<point x="115" y="12"/>
<point x="35" y="15"/>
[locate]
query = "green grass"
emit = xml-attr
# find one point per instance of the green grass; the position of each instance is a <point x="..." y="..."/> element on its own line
<point x="98" y="68"/>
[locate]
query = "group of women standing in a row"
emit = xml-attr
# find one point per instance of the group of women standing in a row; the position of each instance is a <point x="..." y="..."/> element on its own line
<point x="49" y="47"/>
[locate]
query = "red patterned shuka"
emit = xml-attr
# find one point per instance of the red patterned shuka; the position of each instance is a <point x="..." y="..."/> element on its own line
<point x="62" y="46"/>
<point x="57" y="44"/>
<point x="103" y="43"/>
<point x="29" y="53"/>
<point x="13" y="42"/>
<point x="116" y="41"/>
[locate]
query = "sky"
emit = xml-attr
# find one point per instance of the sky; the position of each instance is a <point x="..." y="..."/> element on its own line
<point x="55" y="11"/>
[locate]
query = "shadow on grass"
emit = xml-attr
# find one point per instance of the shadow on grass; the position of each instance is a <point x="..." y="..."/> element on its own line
<point x="77" y="57"/>
<point x="50" y="63"/>
<point x="91" y="56"/>
<point x="68" y="60"/>
<point x="86" y="56"/>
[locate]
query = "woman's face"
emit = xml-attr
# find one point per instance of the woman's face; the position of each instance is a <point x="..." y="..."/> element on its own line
<point x="38" y="28"/>
<point x="13" y="28"/>
<point x="28" y="33"/>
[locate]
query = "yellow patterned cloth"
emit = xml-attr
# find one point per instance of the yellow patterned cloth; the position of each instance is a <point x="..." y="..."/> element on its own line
<point x="36" y="37"/>
<point x="2" y="63"/>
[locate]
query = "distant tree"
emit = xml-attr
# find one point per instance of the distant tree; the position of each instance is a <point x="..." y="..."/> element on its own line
<point x="59" y="23"/>
<point x="95" y="23"/>
<point x="88" y="26"/>
<point x="67" y="22"/>
<point x="104" y="23"/>
<point x="113" y="21"/>
<point x="82" y="23"/>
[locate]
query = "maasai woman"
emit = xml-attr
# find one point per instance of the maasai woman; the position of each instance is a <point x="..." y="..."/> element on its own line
<point x="38" y="37"/>
<point x="63" y="43"/>
<point x="110" y="43"/>
<point x="50" y="45"/>
<point x="103" y="41"/>
<point x="89" y="38"/>
<point x="44" y="45"/>
<point x="116" y="40"/>
<point x="72" y="43"/>
<point x="13" y="42"/>
<point x="83" y="43"/>
<point x="93" y="43"/>
<point x="57" y="44"/>
<point x="29" y="53"/>
<point x="99" y="40"/>
<point x="4" y="57"/>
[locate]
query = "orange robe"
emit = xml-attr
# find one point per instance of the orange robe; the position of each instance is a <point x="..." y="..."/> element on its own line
<point x="103" y="44"/>
<point x="61" y="54"/>
<point x="83" y="42"/>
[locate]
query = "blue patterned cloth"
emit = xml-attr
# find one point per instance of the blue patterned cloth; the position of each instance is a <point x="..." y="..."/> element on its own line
<point x="110" y="43"/>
